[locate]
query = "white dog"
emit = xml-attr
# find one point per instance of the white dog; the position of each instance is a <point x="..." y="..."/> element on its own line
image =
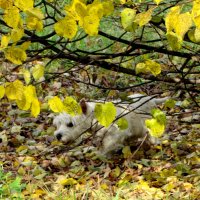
<point x="112" y="138"/>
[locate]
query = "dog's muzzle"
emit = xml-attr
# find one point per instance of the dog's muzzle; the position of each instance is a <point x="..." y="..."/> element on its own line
<point x="58" y="136"/>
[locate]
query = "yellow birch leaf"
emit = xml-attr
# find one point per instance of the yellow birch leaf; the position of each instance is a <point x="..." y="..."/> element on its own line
<point x="35" y="12"/>
<point x="153" y="67"/>
<point x="194" y="35"/>
<point x="56" y="104"/>
<point x="33" y="23"/>
<point x="14" y="90"/>
<point x="2" y="91"/>
<point x="27" y="75"/>
<point x="108" y="7"/>
<point x="37" y="72"/>
<point x="12" y="17"/>
<point x="15" y="54"/>
<point x="175" y="42"/>
<point x="4" y="41"/>
<point x="144" y="17"/>
<point x="157" y="1"/>
<point x="172" y="18"/>
<point x="80" y="9"/>
<point x="155" y="128"/>
<point x="184" y="22"/>
<point x="23" y="103"/>
<point x="16" y="34"/>
<point x="141" y="68"/>
<point x="105" y="113"/>
<point x="30" y="92"/>
<point x="62" y="180"/>
<point x="6" y="4"/>
<point x="35" y="108"/>
<point x="28" y="97"/>
<point x="95" y="9"/>
<point x="66" y="28"/>
<point x="127" y="19"/>
<point x="71" y="106"/>
<point x="24" y="5"/>
<point x="91" y="24"/>
<point x="196" y="13"/>
<point x="25" y="45"/>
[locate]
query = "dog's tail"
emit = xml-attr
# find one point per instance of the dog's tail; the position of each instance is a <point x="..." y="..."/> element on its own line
<point x="160" y="100"/>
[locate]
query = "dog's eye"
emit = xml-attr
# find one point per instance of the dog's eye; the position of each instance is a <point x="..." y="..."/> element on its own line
<point x="70" y="124"/>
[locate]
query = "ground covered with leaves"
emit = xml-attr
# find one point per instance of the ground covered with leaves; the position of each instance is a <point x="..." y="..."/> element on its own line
<point x="36" y="166"/>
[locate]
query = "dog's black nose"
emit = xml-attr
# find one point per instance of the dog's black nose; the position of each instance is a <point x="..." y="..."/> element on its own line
<point x="59" y="136"/>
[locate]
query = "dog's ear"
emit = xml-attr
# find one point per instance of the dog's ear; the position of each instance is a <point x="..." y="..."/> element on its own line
<point x="83" y="105"/>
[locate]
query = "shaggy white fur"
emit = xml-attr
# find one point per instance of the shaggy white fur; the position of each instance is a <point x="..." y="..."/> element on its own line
<point x="112" y="138"/>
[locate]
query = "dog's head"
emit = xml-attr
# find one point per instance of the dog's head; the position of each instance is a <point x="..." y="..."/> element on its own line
<point x="69" y="128"/>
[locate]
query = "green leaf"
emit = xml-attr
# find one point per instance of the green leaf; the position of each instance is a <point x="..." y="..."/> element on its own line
<point x="122" y="123"/>
<point x="159" y="116"/>
<point x="105" y="113"/>
<point x="127" y="152"/>
<point x="170" y="103"/>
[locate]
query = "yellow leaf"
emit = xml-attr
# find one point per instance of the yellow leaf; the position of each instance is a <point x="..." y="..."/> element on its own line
<point x="66" y="181"/>
<point x="194" y="35"/>
<point x="6" y="4"/>
<point x="178" y="23"/>
<point x="175" y="42"/>
<point x="108" y="7"/>
<point x="35" y="12"/>
<point x="14" y="90"/>
<point x="15" y="54"/>
<point x="2" y="91"/>
<point x="71" y="106"/>
<point x="38" y="72"/>
<point x="127" y="19"/>
<point x="12" y="17"/>
<point x="157" y="1"/>
<point x="172" y="18"/>
<point x="105" y="113"/>
<point x="155" y="128"/>
<point x="153" y="67"/>
<point x="196" y="13"/>
<point x="80" y="9"/>
<point x="95" y="9"/>
<point x="16" y="34"/>
<point x="24" y="5"/>
<point x="56" y="104"/>
<point x="27" y="76"/>
<point x="5" y="39"/>
<point x="30" y="92"/>
<point x="35" y="108"/>
<point x="33" y="23"/>
<point x="25" y="45"/>
<point x="141" y="68"/>
<point x="144" y="17"/>
<point x="23" y="103"/>
<point x="28" y="97"/>
<point x="66" y="28"/>
<point x="184" y="23"/>
<point x="91" y="24"/>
